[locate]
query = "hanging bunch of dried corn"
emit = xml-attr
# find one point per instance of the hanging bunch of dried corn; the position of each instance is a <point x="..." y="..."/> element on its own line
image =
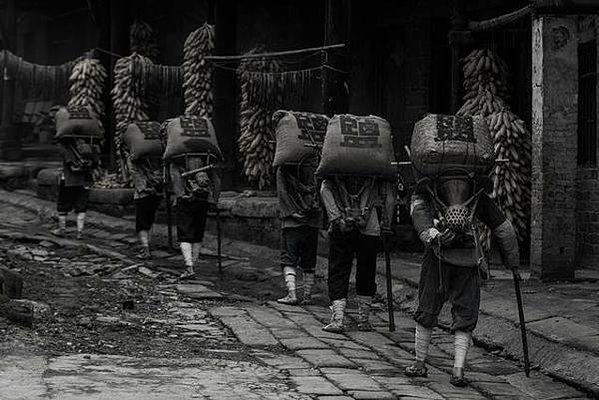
<point x="87" y="82"/>
<point x="197" y="72"/>
<point x="129" y="97"/>
<point x="261" y="95"/>
<point x="486" y="93"/>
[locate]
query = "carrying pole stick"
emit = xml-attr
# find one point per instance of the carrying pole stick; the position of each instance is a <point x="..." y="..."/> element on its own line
<point x="517" y="279"/>
<point x="389" y="283"/>
<point x="219" y="243"/>
<point x="167" y="196"/>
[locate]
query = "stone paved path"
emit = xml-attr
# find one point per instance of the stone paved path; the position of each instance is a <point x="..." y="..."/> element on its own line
<point x="285" y="353"/>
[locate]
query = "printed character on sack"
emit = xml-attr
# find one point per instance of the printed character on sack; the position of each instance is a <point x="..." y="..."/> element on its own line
<point x="299" y="135"/>
<point x="448" y="202"/>
<point x="79" y="135"/>
<point x="358" y="195"/>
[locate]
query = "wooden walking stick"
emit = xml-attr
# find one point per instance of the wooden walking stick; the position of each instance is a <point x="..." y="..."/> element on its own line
<point x="219" y="243"/>
<point x="517" y="279"/>
<point x="389" y="283"/>
<point x="167" y="196"/>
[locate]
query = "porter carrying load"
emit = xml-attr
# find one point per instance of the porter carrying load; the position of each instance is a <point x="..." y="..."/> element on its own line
<point x="357" y="146"/>
<point x="77" y="122"/>
<point x="143" y="140"/>
<point x="299" y="136"/>
<point x="190" y="134"/>
<point x="454" y="154"/>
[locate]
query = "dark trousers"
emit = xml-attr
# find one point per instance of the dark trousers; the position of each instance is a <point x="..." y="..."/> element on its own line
<point x="72" y="198"/>
<point x="459" y="285"/>
<point x="343" y="247"/>
<point x="191" y="219"/>
<point x="145" y="212"/>
<point x="299" y="246"/>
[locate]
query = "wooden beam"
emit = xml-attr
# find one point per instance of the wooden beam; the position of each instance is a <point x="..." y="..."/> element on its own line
<point x="276" y="53"/>
<point x="502" y="20"/>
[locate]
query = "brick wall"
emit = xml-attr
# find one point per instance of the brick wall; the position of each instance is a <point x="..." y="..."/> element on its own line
<point x="587" y="185"/>
<point x="553" y="222"/>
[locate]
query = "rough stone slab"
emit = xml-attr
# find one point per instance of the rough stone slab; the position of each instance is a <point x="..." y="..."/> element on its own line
<point x="325" y="358"/>
<point x="284" y="362"/>
<point x="269" y="317"/>
<point x="315" y="385"/>
<point x="362" y="354"/>
<point x="395" y="381"/>
<point x="343" y="342"/>
<point x="365" y="395"/>
<point x="199" y="292"/>
<point x="334" y="398"/>
<point x="286" y="333"/>
<point x="561" y="329"/>
<point x="416" y="391"/>
<point x="354" y="381"/>
<point x="248" y="331"/>
<point x="301" y="343"/>
<point x="370" y="365"/>
<point x="226" y="311"/>
<point x="539" y="386"/>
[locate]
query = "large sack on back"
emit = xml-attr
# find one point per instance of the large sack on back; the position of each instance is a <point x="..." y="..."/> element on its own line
<point x="360" y="146"/>
<point x="295" y="130"/>
<point x="444" y="142"/>
<point x="77" y="122"/>
<point x="143" y="140"/>
<point x="190" y="134"/>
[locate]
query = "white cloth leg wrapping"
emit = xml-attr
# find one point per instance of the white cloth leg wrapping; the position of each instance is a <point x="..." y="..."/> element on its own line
<point x="364" y="305"/>
<point x="289" y="273"/>
<point x="422" y="342"/>
<point x="62" y="222"/>
<point x="308" y="283"/>
<point x="187" y="254"/>
<point x="196" y="248"/>
<point x="338" y="309"/>
<point x="80" y="222"/>
<point x="143" y="238"/>
<point x="461" y="342"/>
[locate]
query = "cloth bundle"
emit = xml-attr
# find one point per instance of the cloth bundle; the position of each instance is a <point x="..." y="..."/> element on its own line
<point x="142" y="138"/>
<point x="190" y="134"/>
<point x="358" y="146"/>
<point x="77" y="122"/>
<point x="444" y="142"/>
<point x="299" y="134"/>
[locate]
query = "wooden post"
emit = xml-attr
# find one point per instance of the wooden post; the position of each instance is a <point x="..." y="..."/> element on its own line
<point x="225" y="92"/>
<point x="119" y="20"/>
<point x="10" y="142"/>
<point x="457" y="24"/>
<point x="333" y="83"/>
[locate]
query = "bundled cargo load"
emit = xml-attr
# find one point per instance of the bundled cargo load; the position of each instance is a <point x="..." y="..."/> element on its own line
<point x="358" y="146"/>
<point x="77" y="122"/>
<point x="445" y="142"/>
<point x="299" y="136"/>
<point x="190" y="134"/>
<point x="143" y="140"/>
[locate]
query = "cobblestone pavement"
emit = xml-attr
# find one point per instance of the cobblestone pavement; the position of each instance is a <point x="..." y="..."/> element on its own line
<point x="110" y="326"/>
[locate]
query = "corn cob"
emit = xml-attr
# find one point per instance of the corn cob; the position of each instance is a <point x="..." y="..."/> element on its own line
<point x="486" y="93"/>
<point x="197" y="72"/>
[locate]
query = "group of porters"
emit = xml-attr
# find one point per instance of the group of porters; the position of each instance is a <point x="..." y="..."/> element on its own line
<point x="338" y="173"/>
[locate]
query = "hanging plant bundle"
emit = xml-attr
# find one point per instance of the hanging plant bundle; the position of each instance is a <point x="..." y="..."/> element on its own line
<point x="87" y="86"/>
<point x="129" y="97"/>
<point x="142" y="40"/>
<point x="38" y="81"/>
<point x="197" y="72"/>
<point x="486" y="92"/>
<point x="259" y="99"/>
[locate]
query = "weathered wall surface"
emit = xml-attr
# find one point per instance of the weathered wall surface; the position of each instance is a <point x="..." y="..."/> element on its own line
<point x="553" y="222"/>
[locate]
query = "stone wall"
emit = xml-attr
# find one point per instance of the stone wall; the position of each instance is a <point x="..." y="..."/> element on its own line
<point x="555" y="92"/>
